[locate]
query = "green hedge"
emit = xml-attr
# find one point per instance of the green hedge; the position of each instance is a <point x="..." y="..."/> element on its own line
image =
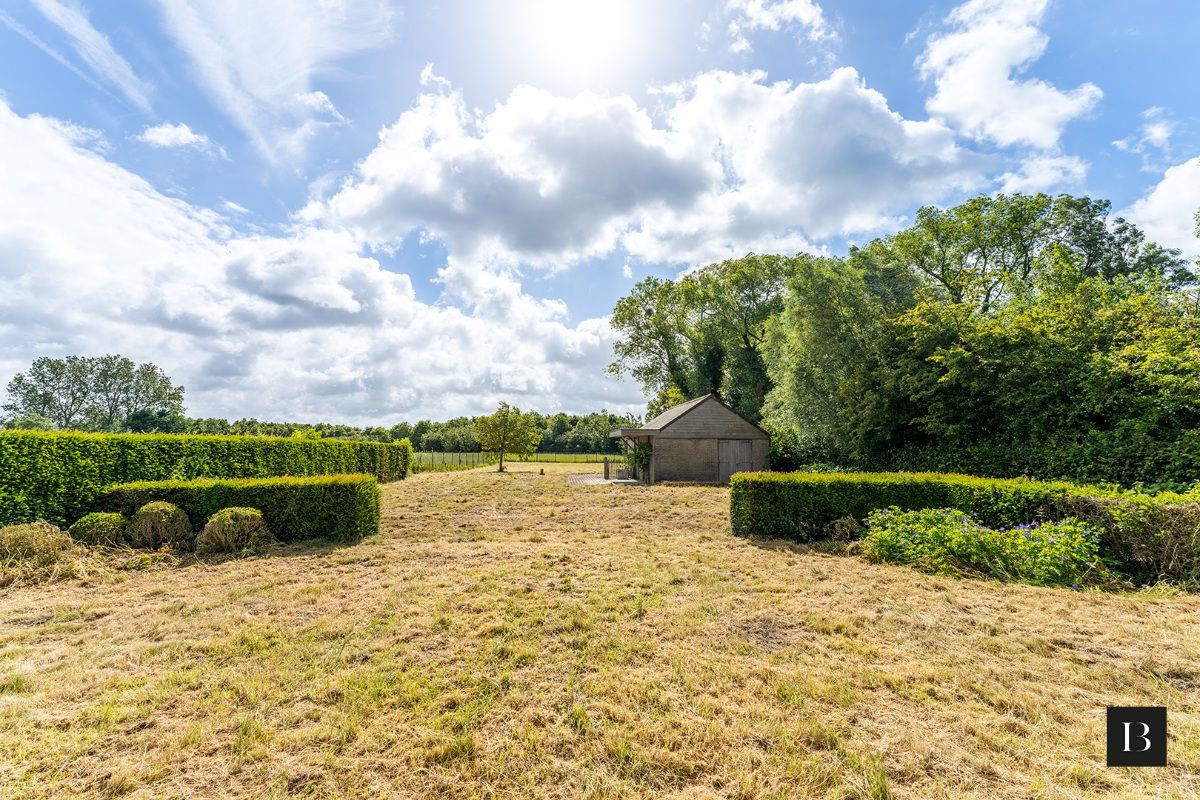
<point x="344" y="508"/>
<point x="1151" y="537"/>
<point x="801" y="504"/>
<point x="57" y="476"/>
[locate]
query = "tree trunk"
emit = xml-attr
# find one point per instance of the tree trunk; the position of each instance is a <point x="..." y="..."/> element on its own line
<point x="501" y="462"/>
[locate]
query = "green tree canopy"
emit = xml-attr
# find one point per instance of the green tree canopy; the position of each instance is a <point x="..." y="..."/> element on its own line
<point x="93" y="393"/>
<point x="702" y="333"/>
<point x="507" y="431"/>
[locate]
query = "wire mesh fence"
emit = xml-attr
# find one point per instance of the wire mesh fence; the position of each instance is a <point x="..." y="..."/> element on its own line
<point x="447" y="462"/>
<point x="566" y="458"/>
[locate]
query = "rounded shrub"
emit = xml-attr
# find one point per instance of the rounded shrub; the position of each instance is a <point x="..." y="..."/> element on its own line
<point x="101" y="528"/>
<point x="33" y="541"/>
<point x="234" y="530"/>
<point x="159" y="523"/>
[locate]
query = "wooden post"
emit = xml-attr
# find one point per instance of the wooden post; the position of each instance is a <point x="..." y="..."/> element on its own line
<point x="606" y="468"/>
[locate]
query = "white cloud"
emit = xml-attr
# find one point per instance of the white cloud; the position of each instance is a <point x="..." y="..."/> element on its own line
<point x="976" y="66"/>
<point x="1167" y="211"/>
<point x="1153" y="139"/>
<point x="96" y="51"/>
<point x="774" y="15"/>
<point x="257" y="61"/>
<point x="798" y="163"/>
<point x="737" y="164"/>
<point x="178" y="135"/>
<point x="545" y="178"/>
<point x="37" y="42"/>
<point x="299" y="325"/>
<point x="627" y="271"/>
<point x="1045" y="173"/>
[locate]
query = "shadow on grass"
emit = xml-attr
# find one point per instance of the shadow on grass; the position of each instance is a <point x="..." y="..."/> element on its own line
<point x="824" y="547"/>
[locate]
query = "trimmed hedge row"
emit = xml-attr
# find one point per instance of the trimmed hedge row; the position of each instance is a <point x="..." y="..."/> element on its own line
<point x="801" y="504"/>
<point x="57" y="476"/>
<point x="1151" y="537"/>
<point x="344" y="508"/>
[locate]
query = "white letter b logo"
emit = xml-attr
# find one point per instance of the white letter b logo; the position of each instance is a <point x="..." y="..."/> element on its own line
<point x="1143" y="736"/>
<point x="1136" y="736"/>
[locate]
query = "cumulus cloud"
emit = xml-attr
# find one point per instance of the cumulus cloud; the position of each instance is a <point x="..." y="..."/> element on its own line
<point x="736" y="164"/>
<point x="798" y="162"/>
<point x="1167" y="211"/>
<point x="976" y="66"/>
<point x="541" y="177"/>
<point x="773" y="15"/>
<point x="297" y="325"/>
<point x="95" y="50"/>
<point x="257" y="61"/>
<point x="1045" y="173"/>
<point x="169" y="135"/>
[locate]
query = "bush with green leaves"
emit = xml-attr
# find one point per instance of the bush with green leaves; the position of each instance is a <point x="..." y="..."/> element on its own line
<point x="1150" y="537"/>
<point x="58" y="476"/>
<point x="158" y="523"/>
<point x="1153" y="538"/>
<point x="342" y="508"/>
<point x="234" y="530"/>
<point x="100" y="528"/>
<point x="948" y="541"/>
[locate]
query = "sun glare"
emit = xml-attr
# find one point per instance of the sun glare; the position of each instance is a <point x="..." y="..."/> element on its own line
<point x="580" y="39"/>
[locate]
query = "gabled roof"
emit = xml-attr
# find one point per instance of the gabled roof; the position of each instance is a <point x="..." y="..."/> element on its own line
<point x="671" y="415"/>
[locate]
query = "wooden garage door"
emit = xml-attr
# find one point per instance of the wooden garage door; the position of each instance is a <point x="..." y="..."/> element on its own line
<point x="734" y="455"/>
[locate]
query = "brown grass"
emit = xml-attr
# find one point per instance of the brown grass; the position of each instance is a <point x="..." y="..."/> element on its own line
<point x="510" y="636"/>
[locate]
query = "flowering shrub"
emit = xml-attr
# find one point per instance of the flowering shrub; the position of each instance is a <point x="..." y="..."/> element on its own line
<point x="951" y="542"/>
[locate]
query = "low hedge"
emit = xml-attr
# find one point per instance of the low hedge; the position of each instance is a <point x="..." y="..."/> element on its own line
<point x="801" y="504"/>
<point x="344" y="508"/>
<point x="1149" y="537"/>
<point x="57" y="476"/>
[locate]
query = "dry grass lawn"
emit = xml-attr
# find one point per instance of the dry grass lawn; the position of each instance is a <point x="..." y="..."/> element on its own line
<point x="513" y="636"/>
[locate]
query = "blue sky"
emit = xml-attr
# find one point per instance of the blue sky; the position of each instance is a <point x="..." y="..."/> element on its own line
<point x="372" y="211"/>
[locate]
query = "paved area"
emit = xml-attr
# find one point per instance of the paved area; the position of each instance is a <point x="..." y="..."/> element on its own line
<point x="595" y="480"/>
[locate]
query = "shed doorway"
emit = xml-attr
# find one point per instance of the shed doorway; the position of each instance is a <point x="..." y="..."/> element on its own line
<point x="734" y="455"/>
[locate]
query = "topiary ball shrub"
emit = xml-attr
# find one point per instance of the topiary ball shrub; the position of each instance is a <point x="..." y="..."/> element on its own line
<point x="159" y="523"/>
<point x="34" y="552"/>
<point x="100" y="528"/>
<point x="234" y="530"/>
<point x="33" y="540"/>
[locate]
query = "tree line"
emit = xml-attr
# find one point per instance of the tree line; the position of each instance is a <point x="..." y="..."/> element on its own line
<point x="112" y="394"/>
<point x="1007" y="335"/>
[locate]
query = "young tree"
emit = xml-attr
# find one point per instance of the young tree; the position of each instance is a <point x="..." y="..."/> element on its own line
<point x="507" y="431"/>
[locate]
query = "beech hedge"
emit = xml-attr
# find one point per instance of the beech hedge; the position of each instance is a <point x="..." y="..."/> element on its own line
<point x="57" y="476"/>
<point x="342" y="508"/>
<point x="1150" y="537"/>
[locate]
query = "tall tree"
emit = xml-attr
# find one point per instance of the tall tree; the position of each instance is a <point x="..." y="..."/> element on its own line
<point x="1007" y="335"/>
<point x="507" y="431"/>
<point x="93" y="393"/>
<point x="703" y="332"/>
